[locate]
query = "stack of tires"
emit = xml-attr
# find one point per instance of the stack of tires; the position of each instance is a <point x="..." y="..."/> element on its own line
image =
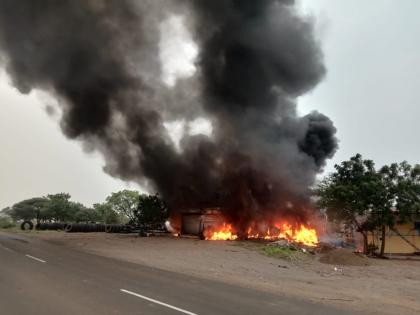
<point x="84" y="228"/>
<point x="55" y="226"/>
<point x="78" y="227"/>
<point x="115" y="228"/>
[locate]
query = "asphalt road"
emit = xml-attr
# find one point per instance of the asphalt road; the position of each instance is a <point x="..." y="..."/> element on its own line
<point x="38" y="277"/>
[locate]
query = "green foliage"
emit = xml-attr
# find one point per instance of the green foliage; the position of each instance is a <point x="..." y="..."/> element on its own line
<point x="283" y="253"/>
<point x="6" y="223"/>
<point x="151" y="210"/>
<point x="60" y="208"/>
<point x="57" y="207"/>
<point x="113" y="218"/>
<point x="28" y="209"/>
<point x="106" y="213"/>
<point x="403" y="182"/>
<point x="87" y="215"/>
<point x="120" y="207"/>
<point x="367" y="199"/>
<point x="125" y="203"/>
<point x="354" y="189"/>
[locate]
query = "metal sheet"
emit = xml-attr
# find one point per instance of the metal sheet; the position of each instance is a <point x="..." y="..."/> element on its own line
<point x="191" y="224"/>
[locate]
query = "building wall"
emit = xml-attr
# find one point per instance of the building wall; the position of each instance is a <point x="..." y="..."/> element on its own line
<point x="195" y="221"/>
<point x="394" y="244"/>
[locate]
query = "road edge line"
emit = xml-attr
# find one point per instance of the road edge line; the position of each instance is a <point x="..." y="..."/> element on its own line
<point x="158" y="302"/>
<point x="34" y="258"/>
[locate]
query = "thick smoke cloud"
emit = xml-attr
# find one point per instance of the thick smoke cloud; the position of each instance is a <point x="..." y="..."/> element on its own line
<point x="98" y="58"/>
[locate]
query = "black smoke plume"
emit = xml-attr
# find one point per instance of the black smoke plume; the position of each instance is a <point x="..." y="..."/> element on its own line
<point x="99" y="59"/>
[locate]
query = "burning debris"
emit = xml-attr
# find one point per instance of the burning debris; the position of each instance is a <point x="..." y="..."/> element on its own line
<point x="223" y="233"/>
<point x="300" y="234"/>
<point x="98" y="58"/>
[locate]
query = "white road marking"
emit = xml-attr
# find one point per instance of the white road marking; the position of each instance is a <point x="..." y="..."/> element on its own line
<point x="34" y="258"/>
<point x="158" y="302"/>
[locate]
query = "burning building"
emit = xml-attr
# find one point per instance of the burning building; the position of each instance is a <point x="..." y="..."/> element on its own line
<point x="211" y="224"/>
<point x="99" y="60"/>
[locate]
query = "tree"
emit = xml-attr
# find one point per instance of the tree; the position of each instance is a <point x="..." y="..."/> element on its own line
<point x="403" y="181"/>
<point x="125" y="203"/>
<point x="6" y="213"/>
<point x="403" y="184"/>
<point x="6" y="222"/>
<point x="84" y="214"/>
<point x="106" y="214"/>
<point x="151" y="210"/>
<point x="357" y="195"/>
<point x="59" y="208"/>
<point x="28" y="209"/>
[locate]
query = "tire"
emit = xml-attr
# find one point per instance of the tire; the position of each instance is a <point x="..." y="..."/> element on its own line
<point x="27" y="225"/>
<point x="69" y="228"/>
<point x="42" y="226"/>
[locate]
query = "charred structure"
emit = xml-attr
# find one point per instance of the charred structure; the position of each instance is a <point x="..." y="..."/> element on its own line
<point x="98" y="58"/>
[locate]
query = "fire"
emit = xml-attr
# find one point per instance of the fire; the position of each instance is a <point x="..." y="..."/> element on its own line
<point x="224" y="233"/>
<point x="306" y="236"/>
<point x="298" y="234"/>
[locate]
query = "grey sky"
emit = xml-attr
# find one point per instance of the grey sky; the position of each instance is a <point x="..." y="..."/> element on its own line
<point x="372" y="88"/>
<point x="371" y="93"/>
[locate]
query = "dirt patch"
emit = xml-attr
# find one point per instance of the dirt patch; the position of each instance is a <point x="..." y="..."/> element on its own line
<point x="344" y="257"/>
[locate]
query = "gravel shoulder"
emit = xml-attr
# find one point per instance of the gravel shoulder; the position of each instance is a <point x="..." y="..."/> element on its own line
<point x="374" y="287"/>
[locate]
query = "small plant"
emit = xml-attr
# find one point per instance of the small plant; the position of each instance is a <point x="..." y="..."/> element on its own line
<point x="279" y="252"/>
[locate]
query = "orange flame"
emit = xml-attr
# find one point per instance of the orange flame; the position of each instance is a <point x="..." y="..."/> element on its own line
<point x="225" y="233"/>
<point x="299" y="234"/>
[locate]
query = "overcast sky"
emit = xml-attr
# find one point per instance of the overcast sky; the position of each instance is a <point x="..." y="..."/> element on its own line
<point x="371" y="93"/>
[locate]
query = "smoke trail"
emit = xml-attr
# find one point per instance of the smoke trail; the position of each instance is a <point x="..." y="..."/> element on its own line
<point x="99" y="58"/>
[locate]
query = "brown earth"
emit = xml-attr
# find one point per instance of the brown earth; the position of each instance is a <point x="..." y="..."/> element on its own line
<point x="344" y="257"/>
<point x="338" y="277"/>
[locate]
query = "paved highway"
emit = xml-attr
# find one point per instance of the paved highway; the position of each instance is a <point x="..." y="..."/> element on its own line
<point x="38" y="277"/>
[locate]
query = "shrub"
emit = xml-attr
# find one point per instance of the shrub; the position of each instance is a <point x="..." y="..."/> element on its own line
<point x="6" y="223"/>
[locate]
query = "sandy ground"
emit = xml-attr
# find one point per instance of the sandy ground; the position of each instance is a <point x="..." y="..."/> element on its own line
<point x="382" y="287"/>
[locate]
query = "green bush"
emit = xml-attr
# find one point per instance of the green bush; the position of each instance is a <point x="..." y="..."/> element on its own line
<point x="6" y="223"/>
<point x="278" y="252"/>
<point x="284" y="253"/>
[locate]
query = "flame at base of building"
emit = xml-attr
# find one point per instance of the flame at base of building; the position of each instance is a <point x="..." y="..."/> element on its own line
<point x="221" y="233"/>
<point x="298" y="233"/>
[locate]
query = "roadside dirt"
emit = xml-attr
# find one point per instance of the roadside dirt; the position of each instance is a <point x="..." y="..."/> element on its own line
<point x="371" y="286"/>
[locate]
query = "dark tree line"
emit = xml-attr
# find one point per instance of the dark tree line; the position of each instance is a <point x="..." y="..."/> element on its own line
<point x="369" y="199"/>
<point x="120" y="207"/>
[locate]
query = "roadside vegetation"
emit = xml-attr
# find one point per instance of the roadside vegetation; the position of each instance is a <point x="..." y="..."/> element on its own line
<point x="283" y="253"/>
<point x="122" y="207"/>
<point x="367" y="199"/>
<point x="6" y="223"/>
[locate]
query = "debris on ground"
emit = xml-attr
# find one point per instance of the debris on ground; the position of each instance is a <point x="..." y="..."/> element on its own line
<point x="295" y="246"/>
<point x="289" y="250"/>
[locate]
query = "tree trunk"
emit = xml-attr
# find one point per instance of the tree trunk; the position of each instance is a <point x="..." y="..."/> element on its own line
<point x="365" y="236"/>
<point x="383" y="230"/>
<point x="365" y="243"/>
